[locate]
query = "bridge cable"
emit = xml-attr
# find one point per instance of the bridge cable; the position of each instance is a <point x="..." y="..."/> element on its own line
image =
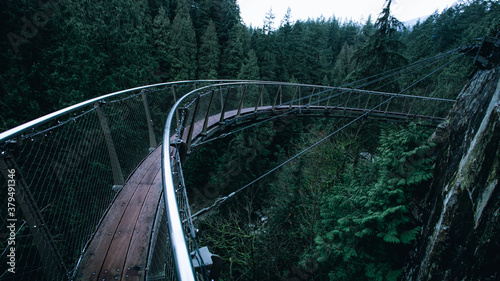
<point x="433" y="60"/>
<point x="221" y="200"/>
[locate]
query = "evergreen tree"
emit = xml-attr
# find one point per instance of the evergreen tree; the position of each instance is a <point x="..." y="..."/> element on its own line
<point x="233" y="53"/>
<point x="318" y="53"/>
<point x="268" y="27"/>
<point x="250" y="68"/>
<point x="209" y="55"/>
<point x="265" y="48"/>
<point x="366" y="221"/>
<point x="297" y="59"/>
<point x="228" y="17"/>
<point x="161" y="37"/>
<point x="183" y="44"/>
<point x="285" y="47"/>
<point x="383" y="50"/>
<point x="344" y="66"/>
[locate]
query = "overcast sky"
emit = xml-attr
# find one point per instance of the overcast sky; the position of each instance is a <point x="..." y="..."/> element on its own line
<point x="254" y="11"/>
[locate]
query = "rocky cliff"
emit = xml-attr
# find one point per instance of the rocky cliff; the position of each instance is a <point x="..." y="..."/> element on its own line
<point x="461" y="209"/>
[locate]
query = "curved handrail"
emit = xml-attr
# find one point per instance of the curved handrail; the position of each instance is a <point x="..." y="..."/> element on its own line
<point x="16" y="131"/>
<point x="55" y="157"/>
<point x="178" y="240"/>
<point x="169" y="154"/>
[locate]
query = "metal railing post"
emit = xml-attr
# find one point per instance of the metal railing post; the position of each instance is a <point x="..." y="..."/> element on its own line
<point x="243" y="93"/>
<point x="207" y="115"/>
<point x="149" y="121"/>
<point x="276" y="97"/>
<point x="367" y="101"/>
<point x="259" y="99"/>
<point x="224" y="106"/>
<point x="191" y="126"/>
<point x="113" y="156"/>
<point x="294" y="97"/>
<point x="310" y="98"/>
<point x="347" y="100"/>
<point x="175" y="100"/>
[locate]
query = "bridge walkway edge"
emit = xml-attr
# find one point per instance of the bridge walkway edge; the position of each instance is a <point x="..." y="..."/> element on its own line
<point x="120" y="247"/>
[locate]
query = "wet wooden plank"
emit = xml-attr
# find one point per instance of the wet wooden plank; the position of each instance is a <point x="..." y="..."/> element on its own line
<point x="92" y="262"/>
<point x="136" y="261"/>
<point x="113" y="265"/>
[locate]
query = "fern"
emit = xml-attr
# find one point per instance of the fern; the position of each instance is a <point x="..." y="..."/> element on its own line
<point x="409" y="236"/>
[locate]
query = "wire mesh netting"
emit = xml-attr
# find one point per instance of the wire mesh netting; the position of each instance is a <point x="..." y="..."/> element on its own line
<point x="217" y="111"/>
<point x="68" y="171"/>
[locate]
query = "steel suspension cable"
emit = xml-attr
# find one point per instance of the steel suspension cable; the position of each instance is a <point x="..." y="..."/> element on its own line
<point x="221" y="200"/>
<point x="432" y="60"/>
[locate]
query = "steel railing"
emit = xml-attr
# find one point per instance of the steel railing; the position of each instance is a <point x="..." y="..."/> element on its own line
<point x="69" y="166"/>
<point x="204" y="113"/>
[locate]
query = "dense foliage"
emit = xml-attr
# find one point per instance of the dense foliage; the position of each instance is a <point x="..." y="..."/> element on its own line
<point x="55" y="53"/>
<point x="343" y="212"/>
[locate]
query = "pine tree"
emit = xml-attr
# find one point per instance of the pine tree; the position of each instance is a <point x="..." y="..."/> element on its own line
<point x="209" y="55"/>
<point x="268" y="27"/>
<point x="344" y="66"/>
<point x="161" y="39"/>
<point x="233" y="53"/>
<point x="383" y="50"/>
<point x="250" y="68"/>
<point x="183" y="44"/>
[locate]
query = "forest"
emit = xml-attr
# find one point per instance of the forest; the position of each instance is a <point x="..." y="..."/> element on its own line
<point x="344" y="211"/>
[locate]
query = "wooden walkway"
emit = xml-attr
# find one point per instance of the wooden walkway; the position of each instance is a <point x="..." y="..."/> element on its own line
<point x="250" y="115"/>
<point x="120" y="247"/>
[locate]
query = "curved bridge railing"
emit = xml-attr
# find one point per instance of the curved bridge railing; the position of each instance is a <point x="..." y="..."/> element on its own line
<point x="213" y="111"/>
<point x="62" y="172"/>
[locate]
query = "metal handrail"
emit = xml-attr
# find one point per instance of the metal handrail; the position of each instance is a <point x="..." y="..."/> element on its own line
<point x="182" y="259"/>
<point x="69" y="113"/>
<point x="180" y="249"/>
<point x="16" y="131"/>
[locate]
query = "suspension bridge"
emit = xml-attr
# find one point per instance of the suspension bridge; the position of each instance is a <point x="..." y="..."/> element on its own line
<point x="96" y="190"/>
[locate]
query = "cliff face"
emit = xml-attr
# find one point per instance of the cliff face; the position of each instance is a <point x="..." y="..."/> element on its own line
<point x="461" y="210"/>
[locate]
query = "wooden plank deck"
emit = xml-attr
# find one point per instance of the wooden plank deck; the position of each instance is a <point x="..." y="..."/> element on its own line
<point x="119" y="249"/>
<point x="332" y="111"/>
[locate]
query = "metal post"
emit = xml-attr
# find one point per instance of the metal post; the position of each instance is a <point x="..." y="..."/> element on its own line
<point x="191" y="127"/>
<point x="175" y="100"/>
<point x="53" y="265"/>
<point x="207" y="115"/>
<point x="367" y="101"/>
<point x="149" y="120"/>
<point x="224" y="106"/>
<point x="347" y="101"/>
<point x="262" y="95"/>
<point x="310" y="98"/>
<point x="221" y="98"/>
<point x="294" y="97"/>
<point x="243" y="93"/>
<point x="300" y="94"/>
<point x="387" y="107"/>
<point x="411" y="105"/>
<point x="276" y="97"/>
<point x="259" y="99"/>
<point x="433" y="115"/>
<point x="113" y="156"/>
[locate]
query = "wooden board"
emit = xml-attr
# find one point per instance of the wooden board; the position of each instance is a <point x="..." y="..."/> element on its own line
<point x="105" y="257"/>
